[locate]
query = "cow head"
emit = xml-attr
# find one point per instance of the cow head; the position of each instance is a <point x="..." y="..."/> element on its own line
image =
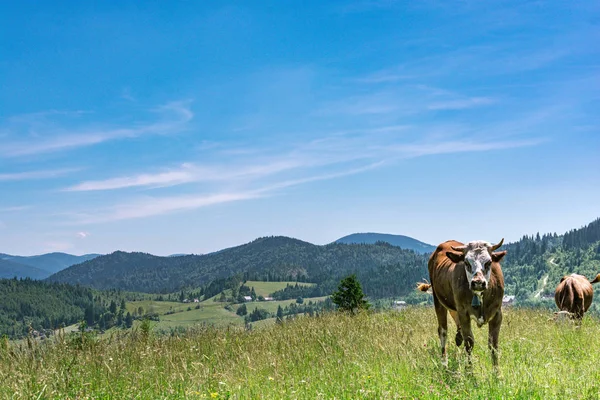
<point x="477" y="257"/>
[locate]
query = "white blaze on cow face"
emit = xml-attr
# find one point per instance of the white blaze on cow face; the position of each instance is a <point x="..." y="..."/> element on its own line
<point x="478" y="265"/>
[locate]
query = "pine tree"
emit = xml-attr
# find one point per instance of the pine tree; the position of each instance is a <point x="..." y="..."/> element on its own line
<point x="242" y="310"/>
<point x="279" y="319"/>
<point x="113" y="307"/>
<point x="128" y="320"/>
<point x="349" y="295"/>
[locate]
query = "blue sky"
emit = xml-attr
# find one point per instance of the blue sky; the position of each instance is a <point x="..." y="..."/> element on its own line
<point x="171" y="127"/>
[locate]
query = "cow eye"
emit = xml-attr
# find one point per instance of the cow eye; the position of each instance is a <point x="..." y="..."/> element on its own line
<point x="488" y="264"/>
<point x="468" y="265"/>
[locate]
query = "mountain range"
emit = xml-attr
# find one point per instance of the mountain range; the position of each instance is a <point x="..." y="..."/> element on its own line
<point x="267" y="258"/>
<point x="38" y="267"/>
<point x="42" y="266"/>
<point x="405" y="242"/>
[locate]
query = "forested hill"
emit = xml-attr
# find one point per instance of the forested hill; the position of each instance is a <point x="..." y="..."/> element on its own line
<point x="533" y="265"/>
<point x="40" y="305"/>
<point x="405" y="242"/>
<point x="538" y="259"/>
<point x="269" y="258"/>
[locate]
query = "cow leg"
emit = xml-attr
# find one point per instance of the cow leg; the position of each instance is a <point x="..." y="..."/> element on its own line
<point x="442" y="317"/>
<point x="493" y="333"/>
<point x="458" y="338"/>
<point x="467" y="334"/>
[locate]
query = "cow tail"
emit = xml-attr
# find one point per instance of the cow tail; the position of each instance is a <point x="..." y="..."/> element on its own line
<point x="596" y="279"/>
<point x="423" y="287"/>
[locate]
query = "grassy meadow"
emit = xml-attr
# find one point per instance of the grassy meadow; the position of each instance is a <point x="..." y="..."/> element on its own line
<point x="271" y="306"/>
<point x="389" y="355"/>
<point x="186" y="315"/>
<point x="266" y="288"/>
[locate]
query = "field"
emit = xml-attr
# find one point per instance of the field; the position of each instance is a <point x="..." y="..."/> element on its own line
<point x="271" y="306"/>
<point x="159" y="307"/>
<point x="266" y="288"/>
<point x="210" y="312"/>
<point x="388" y="355"/>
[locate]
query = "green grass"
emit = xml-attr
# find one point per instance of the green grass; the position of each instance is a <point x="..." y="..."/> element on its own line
<point x="266" y="288"/>
<point x="160" y="307"/>
<point x="209" y="313"/>
<point x="271" y="306"/>
<point x="391" y="355"/>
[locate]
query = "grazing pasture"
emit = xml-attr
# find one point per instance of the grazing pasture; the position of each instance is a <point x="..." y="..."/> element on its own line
<point x="271" y="306"/>
<point x="266" y="288"/>
<point x="389" y="355"/>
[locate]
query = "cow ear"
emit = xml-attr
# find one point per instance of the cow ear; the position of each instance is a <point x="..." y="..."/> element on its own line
<point x="499" y="255"/>
<point x="455" y="257"/>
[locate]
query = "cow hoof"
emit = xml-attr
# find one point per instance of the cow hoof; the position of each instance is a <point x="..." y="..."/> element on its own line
<point x="445" y="362"/>
<point x="458" y="338"/>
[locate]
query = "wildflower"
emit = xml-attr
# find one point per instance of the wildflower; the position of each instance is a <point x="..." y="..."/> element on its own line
<point x="271" y="378"/>
<point x="214" y="395"/>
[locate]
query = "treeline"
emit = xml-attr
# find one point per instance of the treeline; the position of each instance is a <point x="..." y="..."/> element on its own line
<point x="550" y="257"/>
<point x="27" y="304"/>
<point x="526" y="262"/>
<point x="294" y="291"/>
<point x="268" y="259"/>
<point x="583" y="237"/>
<point x="298" y="307"/>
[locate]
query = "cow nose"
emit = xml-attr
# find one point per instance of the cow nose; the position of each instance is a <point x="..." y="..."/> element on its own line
<point x="478" y="284"/>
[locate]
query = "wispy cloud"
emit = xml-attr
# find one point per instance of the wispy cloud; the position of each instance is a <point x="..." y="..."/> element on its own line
<point x="465" y="146"/>
<point x="31" y="175"/>
<point x="188" y="173"/>
<point x="359" y="157"/>
<point x="82" y="235"/>
<point x="173" y="117"/>
<point x="14" y="209"/>
<point x="157" y="206"/>
<point x="461" y="104"/>
<point x="385" y="77"/>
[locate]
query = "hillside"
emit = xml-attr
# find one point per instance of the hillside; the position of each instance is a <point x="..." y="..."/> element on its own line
<point x="10" y="269"/>
<point x="51" y="262"/>
<point x="43" y="305"/>
<point x="267" y="259"/>
<point x="532" y="267"/>
<point x="405" y="242"/>
<point x="391" y="355"/>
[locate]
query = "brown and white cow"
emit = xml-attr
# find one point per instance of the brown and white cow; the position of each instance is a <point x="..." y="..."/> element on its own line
<point x="574" y="294"/>
<point x="467" y="280"/>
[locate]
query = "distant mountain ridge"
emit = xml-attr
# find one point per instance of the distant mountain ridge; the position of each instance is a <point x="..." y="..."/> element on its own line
<point x="10" y="269"/>
<point x="402" y="241"/>
<point x="40" y="266"/>
<point x="270" y="258"/>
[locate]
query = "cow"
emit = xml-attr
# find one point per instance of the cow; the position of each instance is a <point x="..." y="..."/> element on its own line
<point x="467" y="281"/>
<point x="574" y="294"/>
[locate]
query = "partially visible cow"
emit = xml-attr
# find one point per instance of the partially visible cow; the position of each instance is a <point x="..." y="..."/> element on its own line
<point x="467" y="280"/>
<point x="574" y="294"/>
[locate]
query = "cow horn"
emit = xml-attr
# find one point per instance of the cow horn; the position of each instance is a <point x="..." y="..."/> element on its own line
<point x="495" y="247"/>
<point x="460" y="249"/>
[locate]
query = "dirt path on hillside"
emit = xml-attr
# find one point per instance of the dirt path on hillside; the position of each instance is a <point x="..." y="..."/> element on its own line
<point x="545" y="279"/>
<point x="544" y="282"/>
